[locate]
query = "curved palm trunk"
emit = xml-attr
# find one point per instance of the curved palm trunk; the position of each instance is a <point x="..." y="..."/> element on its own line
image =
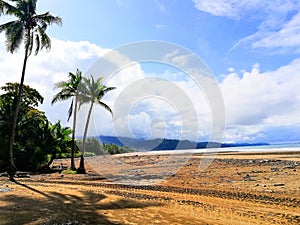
<point x="81" y="168"/>
<point x="73" y="167"/>
<point x="12" y="168"/>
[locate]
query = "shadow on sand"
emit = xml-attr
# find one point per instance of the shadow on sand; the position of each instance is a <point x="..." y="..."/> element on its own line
<point x="59" y="208"/>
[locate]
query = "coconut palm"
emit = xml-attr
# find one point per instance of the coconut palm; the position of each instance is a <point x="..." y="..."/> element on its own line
<point x="28" y="28"/>
<point x="92" y="92"/>
<point x="69" y="89"/>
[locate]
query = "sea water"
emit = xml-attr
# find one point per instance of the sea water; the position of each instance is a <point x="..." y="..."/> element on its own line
<point x="266" y="148"/>
<point x="261" y="148"/>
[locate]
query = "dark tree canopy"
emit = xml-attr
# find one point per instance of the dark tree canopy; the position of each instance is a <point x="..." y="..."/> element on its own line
<point x="37" y="141"/>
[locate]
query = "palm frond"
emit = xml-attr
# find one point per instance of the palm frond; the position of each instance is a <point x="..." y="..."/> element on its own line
<point x="6" y="26"/>
<point x="70" y="111"/>
<point x="92" y="91"/>
<point x="14" y="34"/>
<point x="48" y="19"/>
<point x="107" y="89"/>
<point x="37" y="43"/>
<point x="69" y="89"/>
<point x="1" y="7"/>
<point x="60" y="84"/>
<point x="10" y="10"/>
<point x="105" y="106"/>
<point x="32" y="5"/>
<point x="83" y="99"/>
<point x="61" y="96"/>
<point x="44" y="39"/>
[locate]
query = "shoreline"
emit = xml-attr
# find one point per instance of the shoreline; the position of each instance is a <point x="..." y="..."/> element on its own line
<point x="235" y="150"/>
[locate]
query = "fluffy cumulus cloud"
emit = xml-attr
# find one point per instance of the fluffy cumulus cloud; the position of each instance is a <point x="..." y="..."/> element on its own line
<point x="157" y="106"/>
<point x="278" y="21"/>
<point x="166" y="103"/>
<point x="47" y="68"/>
<point x="258" y="102"/>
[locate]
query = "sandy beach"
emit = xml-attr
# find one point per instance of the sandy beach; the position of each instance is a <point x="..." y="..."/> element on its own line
<point x="224" y="188"/>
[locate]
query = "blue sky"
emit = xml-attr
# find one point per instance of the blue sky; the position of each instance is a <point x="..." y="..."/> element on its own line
<point x="114" y="23"/>
<point x="252" y="47"/>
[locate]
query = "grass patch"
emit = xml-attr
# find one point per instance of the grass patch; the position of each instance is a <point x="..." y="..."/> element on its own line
<point x="69" y="171"/>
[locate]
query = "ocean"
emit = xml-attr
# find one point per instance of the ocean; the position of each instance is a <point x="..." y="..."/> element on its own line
<point x="267" y="148"/>
<point x="295" y="147"/>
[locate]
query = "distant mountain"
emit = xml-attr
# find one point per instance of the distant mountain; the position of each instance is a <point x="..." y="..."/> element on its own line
<point x="168" y="144"/>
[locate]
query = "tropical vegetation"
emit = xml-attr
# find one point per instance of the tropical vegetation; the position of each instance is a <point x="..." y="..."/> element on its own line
<point x="37" y="142"/>
<point x="70" y="89"/>
<point x="29" y="28"/>
<point x="94" y="147"/>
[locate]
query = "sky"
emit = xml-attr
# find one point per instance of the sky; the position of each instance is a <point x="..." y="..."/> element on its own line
<point x="251" y="49"/>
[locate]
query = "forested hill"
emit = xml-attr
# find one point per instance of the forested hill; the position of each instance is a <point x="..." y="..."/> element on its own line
<point x="168" y="144"/>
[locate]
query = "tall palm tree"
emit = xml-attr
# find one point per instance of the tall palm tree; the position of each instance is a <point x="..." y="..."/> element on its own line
<point x="70" y="89"/>
<point x="30" y="28"/>
<point x="92" y="92"/>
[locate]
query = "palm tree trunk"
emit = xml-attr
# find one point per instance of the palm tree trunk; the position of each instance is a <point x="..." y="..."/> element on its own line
<point x="73" y="167"/>
<point x="12" y="168"/>
<point x="81" y="168"/>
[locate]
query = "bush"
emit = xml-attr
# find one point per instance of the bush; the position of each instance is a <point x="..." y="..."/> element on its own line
<point x="114" y="149"/>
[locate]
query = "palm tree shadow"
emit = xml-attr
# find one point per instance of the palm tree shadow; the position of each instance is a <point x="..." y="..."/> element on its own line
<point x="59" y="208"/>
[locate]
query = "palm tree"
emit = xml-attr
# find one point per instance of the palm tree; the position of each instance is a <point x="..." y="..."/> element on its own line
<point x="91" y="92"/>
<point x="30" y="28"/>
<point x="69" y="89"/>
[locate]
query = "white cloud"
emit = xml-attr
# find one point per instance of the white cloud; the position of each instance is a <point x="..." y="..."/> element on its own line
<point x="230" y="69"/>
<point x="47" y="68"/>
<point x="256" y="101"/>
<point x="230" y="8"/>
<point x="178" y="58"/>
<point x="275" y="30"/>
<point x="288" y="36"/>
<point x="172" y="102"/>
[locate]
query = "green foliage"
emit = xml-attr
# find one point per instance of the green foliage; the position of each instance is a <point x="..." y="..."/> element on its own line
<point x="92" y="145"/>
<point x="69" y="171"/>
<point x="114" y="149"/>
<point x="68" y="90"/>
<point x="37" y="141"/>
<point x="92" y="91"/>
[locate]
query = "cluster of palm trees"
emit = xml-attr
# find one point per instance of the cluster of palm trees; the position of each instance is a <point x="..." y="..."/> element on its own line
<point x="81" y="90"/>
<point x="29" y="30"/>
